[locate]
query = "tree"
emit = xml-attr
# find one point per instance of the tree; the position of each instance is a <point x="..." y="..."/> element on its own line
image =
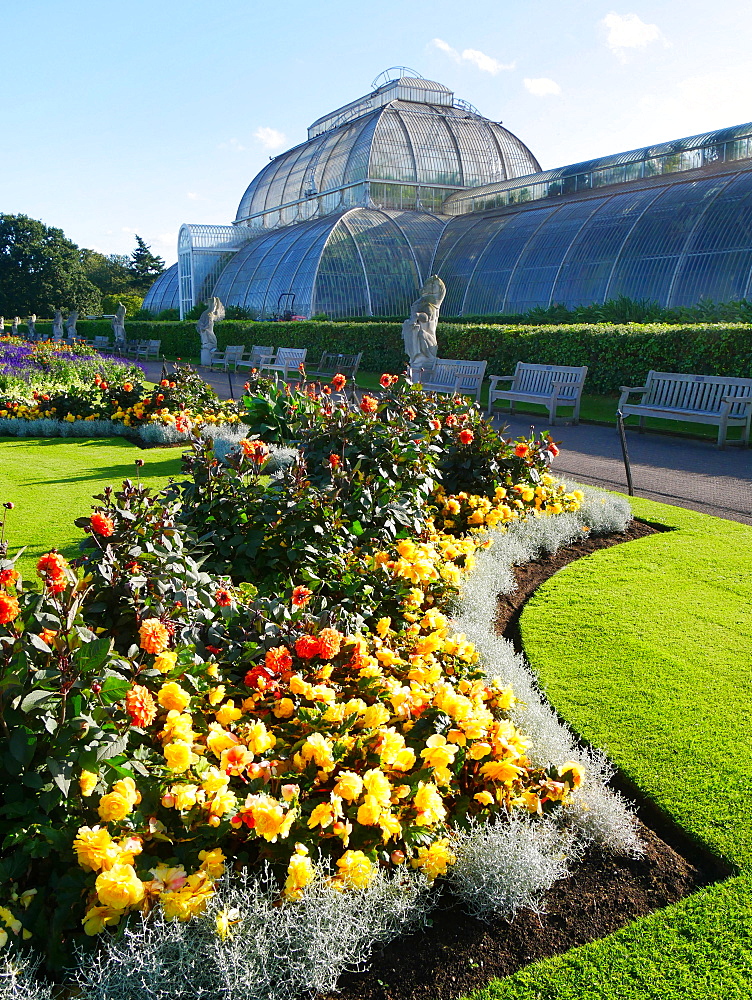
<point x="111" y="274"/>
<point x="145" y="267"/>
<point x="41" y="270"/>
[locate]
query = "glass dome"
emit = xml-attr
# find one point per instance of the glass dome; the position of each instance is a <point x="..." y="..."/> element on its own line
<point x="164" y="293"/>
<point x="407" y="145"/>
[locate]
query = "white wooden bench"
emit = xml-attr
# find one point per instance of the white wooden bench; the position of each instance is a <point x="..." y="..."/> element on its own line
<point x="548" y="385"/>
<point x="704" y="399"/>
<point x="451" y="375"/>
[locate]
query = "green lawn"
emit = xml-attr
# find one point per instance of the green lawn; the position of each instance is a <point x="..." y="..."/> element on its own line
<point x="51" y="482"/>
<point x="646" y="649"/>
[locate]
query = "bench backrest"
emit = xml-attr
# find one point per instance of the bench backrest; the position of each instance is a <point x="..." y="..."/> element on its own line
<point x="444" y="371"/>
<point x="705" y="393"/>
<point x="538" y="379"/>
<point x="234" y="352"/>
<point x="290" y="356"/>
<point x="344" y="364"/>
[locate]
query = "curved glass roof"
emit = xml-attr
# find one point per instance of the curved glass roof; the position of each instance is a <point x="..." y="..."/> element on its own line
<point x="358" y="262"/>
<point x="164" y="293"/>
<point x="409" y="132"/>
<point x="673" y="244"/>
<point x="690" y="153"/>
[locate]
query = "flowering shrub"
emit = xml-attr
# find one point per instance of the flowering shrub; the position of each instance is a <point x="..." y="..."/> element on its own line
<point x="95" y="388"/>
<point x="249" y="672"/>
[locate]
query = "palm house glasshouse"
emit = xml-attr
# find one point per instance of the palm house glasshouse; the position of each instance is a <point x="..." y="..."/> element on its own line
<point x="409" y="181"/>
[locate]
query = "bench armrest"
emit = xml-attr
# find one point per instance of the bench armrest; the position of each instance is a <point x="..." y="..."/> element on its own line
<point x="627" y="390"/>
<point x="736" y="399"/>
<point x="493" y="379"/>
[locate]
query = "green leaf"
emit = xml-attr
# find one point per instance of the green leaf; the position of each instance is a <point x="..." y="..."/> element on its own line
<point x="35" y="698"/>
<point x="22" y="745"/>
<point x="91" y="656"/>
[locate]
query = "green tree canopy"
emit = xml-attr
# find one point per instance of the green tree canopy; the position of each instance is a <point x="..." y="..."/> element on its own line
<point x="145" y="267"/>
<point x="41" y="270"/>
<point x="111" y="274"/>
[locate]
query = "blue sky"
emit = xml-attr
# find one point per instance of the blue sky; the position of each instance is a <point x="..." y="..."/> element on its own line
<point x="132" y="118"/>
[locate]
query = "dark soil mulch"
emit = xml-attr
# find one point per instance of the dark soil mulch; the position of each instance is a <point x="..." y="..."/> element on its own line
<point x="457" y="953"/>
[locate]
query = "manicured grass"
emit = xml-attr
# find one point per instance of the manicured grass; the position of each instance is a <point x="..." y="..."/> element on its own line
<point x="51" y="481"/>
<point x="645" y="649"/>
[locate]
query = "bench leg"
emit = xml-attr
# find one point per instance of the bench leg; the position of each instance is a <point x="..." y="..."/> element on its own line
<point x="642" y="425"/>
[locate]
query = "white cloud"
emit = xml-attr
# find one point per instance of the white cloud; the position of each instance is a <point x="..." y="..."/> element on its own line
<point x="270" y="138"/>
<point x="234" y="145"/>
<point x="483" y="62"/>
<point x="629" y="32"/>
<point x="541" y="86"/>
<point x="191" y="195"/>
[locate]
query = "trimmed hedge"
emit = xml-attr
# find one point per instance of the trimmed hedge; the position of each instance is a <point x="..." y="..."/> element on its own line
<point x="615" y="354"/>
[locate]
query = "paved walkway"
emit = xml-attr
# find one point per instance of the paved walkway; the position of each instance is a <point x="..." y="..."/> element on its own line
<point x="682" y="471"/>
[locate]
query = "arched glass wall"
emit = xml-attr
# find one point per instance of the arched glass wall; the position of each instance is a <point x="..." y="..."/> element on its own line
<point x="673" y="244"/>
<point x="361" y="262"/>
<point x="164" y="293"/>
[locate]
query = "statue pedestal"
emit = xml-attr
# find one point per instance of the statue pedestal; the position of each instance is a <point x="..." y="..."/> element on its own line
<point x="206" y="356"/>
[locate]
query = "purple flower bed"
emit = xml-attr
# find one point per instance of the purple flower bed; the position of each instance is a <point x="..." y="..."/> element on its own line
<point x="22" y="359"/>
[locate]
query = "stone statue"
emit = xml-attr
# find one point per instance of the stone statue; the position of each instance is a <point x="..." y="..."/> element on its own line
<point x="70" y="324"/>
<point x="57" y="326"/>
<point x="14" y="326"/>
<point x="31" y="327"/>
<point x="118" y="325"/>
<point x="2" y="324"/>
<point x="213" y="313"/>
<point x="419" y="330"/>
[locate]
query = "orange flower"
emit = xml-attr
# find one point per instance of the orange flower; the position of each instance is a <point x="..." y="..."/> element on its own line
<point x="182" y="424"/>
<point x="451" y="420"/>
<point x="301" y="596"/>
<point x="8" y="576"/>
<point x="102" y="525"/>
<point x="9" y="608"/>
<point x="307" y="646"/>
<point x="435" y="425"/>
<point x="330" y="641"/>
<point x="127" y="387"/>
<point x="339" y="382"/>
<point x="521" y="450"/>
<point x="466" y="436"/>
<point x="553" y="449"/>
<point x="255" y="450"/>
<point x="140" y="706"/>
<point x="335" y="461"/>
<point x="223" y="597"/>
<point x="164" y="382"/>
<point x="51" y="567"/>
<point x="278" y="659"/>
<point x="369" y="404"/>
<point x="387" y="381"/>
<point x="154" y="636"/>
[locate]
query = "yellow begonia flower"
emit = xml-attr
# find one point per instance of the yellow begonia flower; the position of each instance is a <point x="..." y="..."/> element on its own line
<point x="355" y="870"/>
<point x="349" y="785"/>
<point x="87" y="782"/>
<point x="165" y="662"/>
<point x="172" y="697"/>
<point x="119" y="887"/>
<point x="97" y="918"/>
<point x="300" y="873"/>
<point x="435" y="859"/>
<point x="113" y="807"/>
<point x="178" y="755"/>
<point x="228" y="713"/>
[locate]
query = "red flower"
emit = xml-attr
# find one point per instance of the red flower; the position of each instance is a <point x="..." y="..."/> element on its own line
<point x="307" y="646"/>
<point x="338" y="382"/>
<point x="387" y="381"/>
<point x="102" y="525"/>
<point x="8" y="576"/>
<point x="466" y="436"/>
<point x="435" y="425"/>
<point x="164" y="382"/>
<point x="182" y="424"/>
<point x="553" y="449"/>
<point x="127" y="387"/>
<point x="368" y="404"/>
<point x="51" y="567"/>
<point x="451" y="420"/>
<point x="335" y="461"/>
<point x="262" y="679"/>
<point x="213" y="649"/>
<point x="409" y="413"/>
<point x="223" y="597"/>
<point x="301" y="595"/>
<point x="521" y="449"/>
<point x="326" y="389"/>
<point x="278" y="659"/>
<point x="255" y="450"/>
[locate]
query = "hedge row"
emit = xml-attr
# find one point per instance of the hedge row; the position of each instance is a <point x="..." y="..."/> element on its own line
<point x="615" y="355"/>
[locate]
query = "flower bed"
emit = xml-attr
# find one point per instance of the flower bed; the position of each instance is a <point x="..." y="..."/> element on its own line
<point x="299" y="703"/>
<point x="46" y="386"/>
